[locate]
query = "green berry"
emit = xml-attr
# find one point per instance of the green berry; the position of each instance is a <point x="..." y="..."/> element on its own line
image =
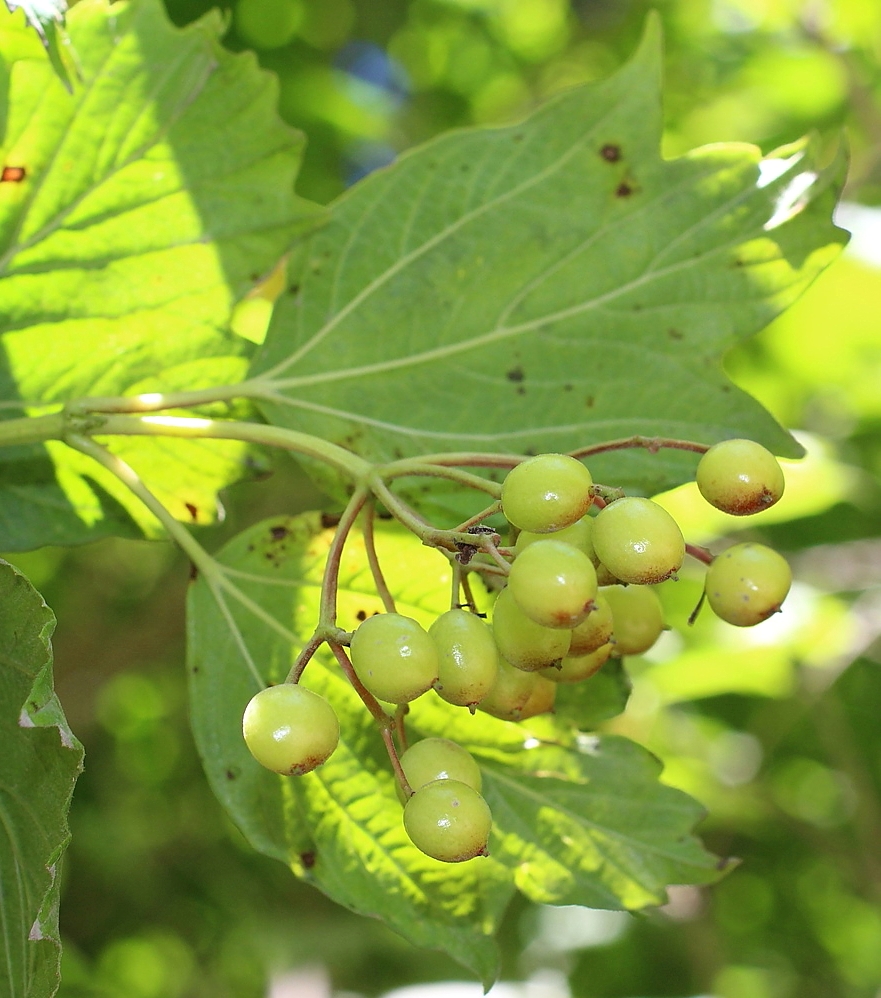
<point x="578" y="534"/>
<point x="524" y="643"/>
<point x="747" y="583"/>
<point x="553" y="583"/>
<point x="541" y="699"/>
<point x="637" y="618"/>
<point x="638" y="541"/>
<point x="467" y="657"/>
<point x="546" y="493"/>
<point x="510" y="693"/>
<point x="740" y="477"/>
<point x="448" y="820"/>
<point x="575" y="670"/>
<point x="394" y="657"/>
<point x="290" y="729"/>
<point x="595" y="630"/>
<point x="439" y="759"/>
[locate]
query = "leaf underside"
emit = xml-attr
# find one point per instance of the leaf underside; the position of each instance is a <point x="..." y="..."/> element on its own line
<point x="547" y="286"/>
<point x="41" y="761"/>
<point x="577" y="821"/>
<point x="152" y="197"/>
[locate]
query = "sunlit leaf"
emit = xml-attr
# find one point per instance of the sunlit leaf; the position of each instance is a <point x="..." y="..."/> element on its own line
<point x="149" y="200"/>
<point x="340" y="827"/>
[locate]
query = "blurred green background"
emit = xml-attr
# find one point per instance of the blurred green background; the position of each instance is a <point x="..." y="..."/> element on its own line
<point x="776" y="730"/>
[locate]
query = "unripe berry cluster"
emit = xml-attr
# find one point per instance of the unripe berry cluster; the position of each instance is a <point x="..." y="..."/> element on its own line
<point x="578" y="589"/>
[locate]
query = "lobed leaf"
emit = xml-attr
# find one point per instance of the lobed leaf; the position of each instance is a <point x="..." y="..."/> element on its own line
<point x="340" y="827"/>
<point x="549" y="285"/>
<point x="41" y="761"/>
<point x="149" y="200"/>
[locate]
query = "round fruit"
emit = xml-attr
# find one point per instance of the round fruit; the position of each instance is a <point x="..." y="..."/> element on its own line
<point x="595" y="630"/>
<point x="439" y="759"/>
<point x="546" y="493"/>
<point x="638" y="541"/>
<point x="740" y="477"/>
<point x="448" y="820"/>
<point x="521" y="641"/>
<point x="510" y="693"/>
<point x="553" y="583"/>
<point x="637" y="618"/>
<point x="578" y="534"/>
<point x="541" y="699"/>
<point x="747" y="583"/>
<point x="394" y="657"/>
<point x="467" y="657"/>
<point x="290" y="729"/>
<point x="574" y="670"/>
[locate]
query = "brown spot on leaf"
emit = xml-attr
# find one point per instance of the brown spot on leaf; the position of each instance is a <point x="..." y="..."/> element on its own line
<point x="624" y="190"/>
<point x="611" y="152"/>
<point x="329" y="520"/>
<point x="674" y="334"/>
<point x="307" y="859"/>
<point x="361" y="615"/>
<point x="193" y="510"/>
<point x="516" y="374"/>
<point x="13" y="174"/>
<point x="589" y="401"/>
<point x="278" y="533"/>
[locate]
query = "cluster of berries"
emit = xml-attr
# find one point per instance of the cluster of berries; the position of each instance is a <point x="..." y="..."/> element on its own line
<point x="579" y="590"/>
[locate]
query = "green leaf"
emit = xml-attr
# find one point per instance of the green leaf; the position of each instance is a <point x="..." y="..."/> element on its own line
<point x="550" y="285"/>
<point x="340" y="827"/>
<point x="46" y="17"/>
<point x="602" y="696"/>
<point x="152" y="198"/>
<point x="41" y="761"/>
<point x="601" y="831"/>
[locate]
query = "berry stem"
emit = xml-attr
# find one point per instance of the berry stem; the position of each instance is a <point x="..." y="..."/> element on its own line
<point x="428" y="469"/>
<point x="701" y="554"/>
<point x="484" y="514"/>
<point x="431" y="536"/>
<point x="373" y="559"/>
<point x="692" y="617"/>
<point x="369" y="700"/>
<point x="402" y="711"/>
<point x="456" y="595"/>
<point x="329" y="584"/>
<point x="305" y="656"/>
<point x="406" y="789"/>
<point x="468" y="593"/>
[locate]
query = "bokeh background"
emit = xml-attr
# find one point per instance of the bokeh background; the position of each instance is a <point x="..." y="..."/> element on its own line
<point x="777" y="730"/>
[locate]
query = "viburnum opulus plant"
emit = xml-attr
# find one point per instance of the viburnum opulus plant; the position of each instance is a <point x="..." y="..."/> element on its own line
<point x="489" y="355"/>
